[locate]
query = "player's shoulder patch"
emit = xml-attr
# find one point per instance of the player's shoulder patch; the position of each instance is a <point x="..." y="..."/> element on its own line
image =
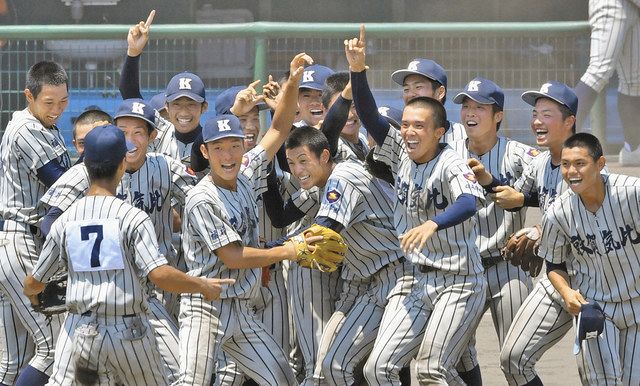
<point x="470" y="176"/>
<point x="333" y="195"/>
<point x="245" y="161"/>
<point x="533" y="152"/>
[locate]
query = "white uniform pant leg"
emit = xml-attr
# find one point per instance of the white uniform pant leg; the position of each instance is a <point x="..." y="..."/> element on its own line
<point x="166" y="336"/>
<point x="16" y="345"/>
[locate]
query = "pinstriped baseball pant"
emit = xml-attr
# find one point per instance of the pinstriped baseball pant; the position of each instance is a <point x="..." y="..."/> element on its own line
<point x="18" y="254"/>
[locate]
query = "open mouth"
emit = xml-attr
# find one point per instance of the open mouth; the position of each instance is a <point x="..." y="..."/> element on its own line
<point x="316" y="112"/>
<point x="412" y="145"/>
<point x="541" y="133"/>
<point x="471" y="123"/>
<point x="575" y="181"/>
<point x="228" y="167"/>
<point x="184" y="121"/>
<point x="250" y="137"/>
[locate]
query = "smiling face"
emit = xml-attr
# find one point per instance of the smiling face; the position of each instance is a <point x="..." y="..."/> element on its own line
<point x="310" y="106"/>
<point x="351" y="129"/>
<point x="185" y="113"/>
<point x="580" y="170"/>
<point x="225" y="159"/>
<point x="478" y="119"/>
<point x="548" y="125"/>
<point x="49" y="104"/>
<point x="137" y="132"/>
<point x="250" y="123"/>
<point x="415" y="85"/>
<point x="419" y="133"/>
<point x="307" y="167"/>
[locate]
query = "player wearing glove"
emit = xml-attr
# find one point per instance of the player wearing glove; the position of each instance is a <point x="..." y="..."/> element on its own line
<point x="327" y="253"/>
<point x="52" y="300"/>
<point x="521" y="249"/>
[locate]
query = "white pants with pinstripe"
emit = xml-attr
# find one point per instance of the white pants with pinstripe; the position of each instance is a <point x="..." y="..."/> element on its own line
<point x="229" y="325"/>
<point x="352" y="336"/>
<point x="314" y="296"/>
<point x="432" y="325"/>
<point x="93" y="344"/>
<point x="613" y="357"/>
<point x="538" y="325"/>
<point x="18" y="254"/>
<point x="16" y="344"/>
<point x="507" y="288"/>
<point x="272" y="309"/>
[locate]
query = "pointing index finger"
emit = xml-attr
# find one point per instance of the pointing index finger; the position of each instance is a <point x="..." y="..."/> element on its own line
<point x="152" y="15"/>
<point x="362" y="33"/>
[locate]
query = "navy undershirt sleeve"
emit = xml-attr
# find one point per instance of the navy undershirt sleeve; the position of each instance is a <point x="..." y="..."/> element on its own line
<point x="559" y="267"/>
<point x="50" y="172"/>
<point x="280" y="213"/>
<point x="49" y="218"/>
<point x="334" y="121"/>
<point x="462" y="209"/>
<point x="130" y="78"/>
<point x="377" y="126"/>
<point x="330" y="223"/>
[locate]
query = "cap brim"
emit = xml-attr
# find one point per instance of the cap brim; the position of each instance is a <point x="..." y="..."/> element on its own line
<point x="312" y="86"/>
<point x="485" y="101"/>
<point x="398" y="76"/>
<point x="530" y="97"/>
<point x="153" y="124"/>
<point x="230" y="135"/>
<point x="190" y="95"/>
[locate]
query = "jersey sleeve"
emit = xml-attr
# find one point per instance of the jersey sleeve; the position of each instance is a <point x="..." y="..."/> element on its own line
<point x="165" y="141"/>
<point x="212" y="226"/>
<point x="37" y="146"/>
<point x="69" y="188"/>
<point x="527" y="181"/>
<point x="391" y="151"/>
<point x="144" y="244"/>
<point x="462" y="180"/>
<point x="51" y="259"/>
<point x="339" y="201"/>
<point x="522" y="156"/>
<point x="554" y="242"/>
<point x="255" y="166"/>
<point x="306" y="200"/>
<point x="182" y="181"/>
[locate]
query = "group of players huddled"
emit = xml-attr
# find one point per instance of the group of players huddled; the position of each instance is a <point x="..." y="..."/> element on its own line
<point x="176" y="236"/>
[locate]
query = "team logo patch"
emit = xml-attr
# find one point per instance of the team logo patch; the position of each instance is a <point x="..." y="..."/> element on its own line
<point x="533" y="152"/>
<point x="470" y="176"/>
<point x="333" y="196"/>
<point x="189" y="171"/>
<point x="245" y="161"/>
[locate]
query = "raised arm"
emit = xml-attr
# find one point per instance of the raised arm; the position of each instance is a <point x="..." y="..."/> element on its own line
<point x="136" y="41"/>
<point x="336" y="118"/>
<point x="377" y="126"/>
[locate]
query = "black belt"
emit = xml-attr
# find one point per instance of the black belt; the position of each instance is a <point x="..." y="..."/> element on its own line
<point x="24" y="227"/>
<point x="89" y="313"/>
<point x="427" y="268"/>
<point x="491" y="261"/>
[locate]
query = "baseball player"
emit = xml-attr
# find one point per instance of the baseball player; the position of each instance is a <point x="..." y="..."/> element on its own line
<point x="615" y="32"/>
<point x="109" y="249"/>
<point x="374" y="272"/>
<point x="32" y="157"/>
<point x="595" y="225"/>
<point x="84" y="123"/>
<point x="220" y="235"/>
<point x="482" y="112"/>
<point x="310" y="107"/>
<point x="542" y="320"/>
<point x="151" y="183"/>
<point x="434" y="219"/>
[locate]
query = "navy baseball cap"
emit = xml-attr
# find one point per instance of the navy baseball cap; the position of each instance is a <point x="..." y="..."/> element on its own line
<point x="420" y="66"/>
<point x="106" y="145"/>
<point x="557" y="91"/>
<point x="589" y="325"/>
<point x="392" y="115"/>
<point x="225" y="100"/>
<point x="222" y="126"/>
<point x="315" y="76"/>
<point x="136" y="108"/>
<point x="158" y="102"/>
<point x="483" y="91"/>
<point x="185" y="84"/>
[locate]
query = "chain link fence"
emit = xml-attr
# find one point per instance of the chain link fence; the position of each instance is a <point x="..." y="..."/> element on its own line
<point x="517" y="61"/>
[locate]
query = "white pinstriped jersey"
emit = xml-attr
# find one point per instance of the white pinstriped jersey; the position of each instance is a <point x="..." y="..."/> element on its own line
<point x="27" y="146"/>
<point x="307" y="201"/>
<point x="455" y="132"/>
<point x="356" y="200"/>
<point x="506" y="161"/>
<point x="349" y="151"/>
<point x="109" y="248"/>
<point x="604" y="244"/>
<point x="151" y="188"/>
<point x="543" y="177"/>
<point x="425" y="190"/>
<point x="214" y="217"/>
<point x="165" y="142"/>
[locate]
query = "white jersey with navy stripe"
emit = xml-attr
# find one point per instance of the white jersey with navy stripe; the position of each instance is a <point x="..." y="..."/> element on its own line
<point x="107" y="246"/>
<point x="27" y="146"/>
<point x="455" y="132"/>
<point x="215" y="217"/>
<point x="165" y="141"/>
<point x="151" y="188"/>
<point x="604" y="244"/>
<point x="544" y="178"/>
<point x="356" y="200"/>
<point x="425" y="190"/>
<point x="506" y="160"/>
<point x="348" y="150"/>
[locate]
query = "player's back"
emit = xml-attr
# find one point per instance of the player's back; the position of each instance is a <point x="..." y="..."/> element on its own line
<point x="26" y="146"/>
<point x="110" y="247"/>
